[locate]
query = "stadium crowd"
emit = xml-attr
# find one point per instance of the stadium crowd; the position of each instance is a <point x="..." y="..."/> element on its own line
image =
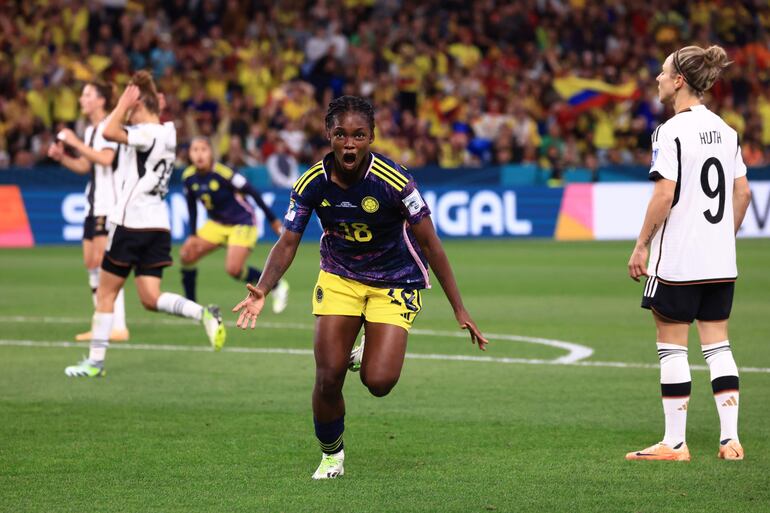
<point x="455" y="83"/>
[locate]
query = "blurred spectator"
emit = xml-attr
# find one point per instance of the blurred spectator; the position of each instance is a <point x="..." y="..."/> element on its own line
<point x="282" y="167"/>
<point x="458" y="83"/>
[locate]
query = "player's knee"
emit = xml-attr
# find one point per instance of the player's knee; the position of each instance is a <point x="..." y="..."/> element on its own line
<point x="379" y="386"/>
<point x="328" y="383"/>
<point x="187" y="256"/>
<point x="234" y="270"/>
<point x="149" y="304"/>
<point x="149" y="301"/>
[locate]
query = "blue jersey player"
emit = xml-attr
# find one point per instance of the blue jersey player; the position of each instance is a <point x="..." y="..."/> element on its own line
<point x="231" y="220"/>
<point x="377" y="240"/>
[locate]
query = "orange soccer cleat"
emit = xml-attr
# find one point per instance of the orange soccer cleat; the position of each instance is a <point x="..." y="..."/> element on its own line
<point x="730" y="450"/>
<point x="661" y="452"/>
<point x="115" y="336"/>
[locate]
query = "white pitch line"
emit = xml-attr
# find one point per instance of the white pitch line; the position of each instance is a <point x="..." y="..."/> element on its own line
<point x="575" y="352"/>
<point x="308" y="352"/>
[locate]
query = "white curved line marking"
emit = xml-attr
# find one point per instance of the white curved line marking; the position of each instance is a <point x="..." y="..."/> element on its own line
<point x="575" y="352"/>
<point x="308" y="352"/>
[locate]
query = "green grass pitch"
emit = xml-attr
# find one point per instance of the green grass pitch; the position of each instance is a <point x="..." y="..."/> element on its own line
<point x="185" y="430"/>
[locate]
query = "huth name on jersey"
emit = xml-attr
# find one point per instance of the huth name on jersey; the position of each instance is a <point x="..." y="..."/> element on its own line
<point x="711" y="137"/>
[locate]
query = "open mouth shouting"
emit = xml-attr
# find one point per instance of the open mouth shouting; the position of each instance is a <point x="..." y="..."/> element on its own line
<point x="349" y="160"/>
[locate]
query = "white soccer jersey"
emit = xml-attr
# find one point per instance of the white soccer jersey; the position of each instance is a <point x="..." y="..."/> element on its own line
<point x="701" y="153"/>
<point x="104" y="186"/>
<point x="146" y="162"/>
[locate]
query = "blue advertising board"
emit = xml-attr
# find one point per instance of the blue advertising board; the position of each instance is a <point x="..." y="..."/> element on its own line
<point x="56" y="214"/>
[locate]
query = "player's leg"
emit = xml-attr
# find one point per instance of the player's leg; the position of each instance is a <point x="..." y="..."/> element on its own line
<point x="241" y="240"/>
<point x="193" y="249"/>
<point x="92" y="266"/>
<point x="383" y="359"/>
<point x="148" y="281"/>
<point x="712" y="328"/>
<point x="334" y="338"/>
<point x="119" y="329"/>
<point x="338" y="304"/>
<point x="110" y="285"/>
<point x="673" y="311"/>
<point x="389" y="315"/>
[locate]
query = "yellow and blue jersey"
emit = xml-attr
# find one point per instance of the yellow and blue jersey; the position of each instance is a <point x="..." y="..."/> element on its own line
<point x="366" y="228"/>
<point x="222" y="191"/>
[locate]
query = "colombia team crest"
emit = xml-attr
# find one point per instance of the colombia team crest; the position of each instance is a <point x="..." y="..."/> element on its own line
<point x="370" y="204"/>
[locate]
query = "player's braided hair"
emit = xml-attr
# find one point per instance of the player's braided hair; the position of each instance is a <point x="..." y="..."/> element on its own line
<point x="348" y="103"/>
<point x="700" y="67"/>
<point x="105" y="90"/>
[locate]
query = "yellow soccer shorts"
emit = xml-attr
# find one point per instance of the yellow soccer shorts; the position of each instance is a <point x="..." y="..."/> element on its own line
<point x="335" y="295"/>
<point x="228" y="235"/>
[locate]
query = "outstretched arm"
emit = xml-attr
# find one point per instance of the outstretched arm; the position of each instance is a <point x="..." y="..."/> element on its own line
<point x="657" y="212"/>
<point x="192" y="210"/>
<point x="431" y="246"/>
<point x="278" y="261"/>
<point x="247" y="188"/>
<point x="102" y="157"/>
<point x="77" y="164"/>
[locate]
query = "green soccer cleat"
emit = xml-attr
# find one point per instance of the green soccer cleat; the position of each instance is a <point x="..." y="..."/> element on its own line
<point x="215" y="327"/>
<point x="356" y="355"/>
<point x="331" y="466"/>
<point x="85" y="369"/>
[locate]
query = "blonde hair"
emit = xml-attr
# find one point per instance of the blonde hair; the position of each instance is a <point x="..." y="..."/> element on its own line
<point x="700" y="67"/>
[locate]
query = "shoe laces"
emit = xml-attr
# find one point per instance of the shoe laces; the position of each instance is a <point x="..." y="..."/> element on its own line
<point x="328" y="461"/>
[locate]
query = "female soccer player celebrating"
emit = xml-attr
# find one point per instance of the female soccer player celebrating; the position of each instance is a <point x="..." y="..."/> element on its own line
<point x="231" y="220"/>
<point x="700" y="198"/>
<point x="377" y="238"/>
<point x="98" y="157"/>
<point x="139" y="224"/>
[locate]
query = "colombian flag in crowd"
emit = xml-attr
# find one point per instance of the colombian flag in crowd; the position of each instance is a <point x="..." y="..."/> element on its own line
<point x="587" y="93"/>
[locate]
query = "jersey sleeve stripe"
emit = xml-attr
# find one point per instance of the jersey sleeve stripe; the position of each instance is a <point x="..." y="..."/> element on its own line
<point x="396" y="174"/>
<point x="387" y="179"/>
<point x="307" y="182"/>
<point x="389" y="167"/>
<point x="307" y="175"/>
<point x="393" y="175"/>
<point x="655" y="134"/>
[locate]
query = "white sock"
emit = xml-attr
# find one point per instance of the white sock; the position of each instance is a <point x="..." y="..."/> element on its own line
<point x="101" y="325"/>
<point x="93" y="282"/>
<point x="725" y="385"/>
<point x="675" y="386"/>
<point x="175" y="304"/>
<point x="119" y="322"/>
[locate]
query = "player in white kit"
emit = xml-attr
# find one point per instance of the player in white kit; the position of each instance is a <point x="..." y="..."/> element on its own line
<point x="98" y="157"/>
<point x="140" y="237"/>
<point x="700" y="198"/>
